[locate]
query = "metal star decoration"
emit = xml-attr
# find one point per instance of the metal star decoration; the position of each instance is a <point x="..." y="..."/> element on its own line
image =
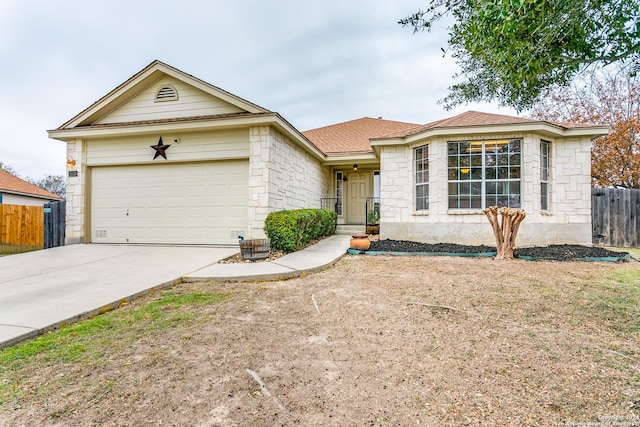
<point x="160" y="149"/>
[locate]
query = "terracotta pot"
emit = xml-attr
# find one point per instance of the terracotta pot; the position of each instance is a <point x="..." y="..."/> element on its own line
<point x="360" y="242"/>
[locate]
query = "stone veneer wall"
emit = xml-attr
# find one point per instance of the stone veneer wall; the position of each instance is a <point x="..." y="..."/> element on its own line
<point x="568" y="219"/>
<point x="281" y="176"/>
<point x="76" y="194"/>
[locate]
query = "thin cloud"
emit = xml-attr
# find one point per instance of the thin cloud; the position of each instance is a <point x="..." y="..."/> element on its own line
<point x="316" y="63"/>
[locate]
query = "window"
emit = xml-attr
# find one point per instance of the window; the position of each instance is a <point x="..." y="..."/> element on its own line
<point x="484" y="173"/>
<point x="421" y="156"/>
<point x="167" y="93"/>
<point x="376" y="184"/>
<point x="339" y="184"/>
<point x="544" y="174"/>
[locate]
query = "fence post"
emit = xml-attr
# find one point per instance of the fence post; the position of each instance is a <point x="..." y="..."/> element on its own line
<point x="634" y="219"/>
<point x="47" y="225"/>
<point x="54" y="224"/>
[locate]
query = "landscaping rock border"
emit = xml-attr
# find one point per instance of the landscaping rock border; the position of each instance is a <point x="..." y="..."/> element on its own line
<point x="551" y="252"/>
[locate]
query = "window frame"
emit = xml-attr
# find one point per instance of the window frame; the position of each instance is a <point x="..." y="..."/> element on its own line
<point x="339" y="192"/>
<point x="545" y="168"/>
<point x="470" y="164"/>
<point x="421" y="178"/>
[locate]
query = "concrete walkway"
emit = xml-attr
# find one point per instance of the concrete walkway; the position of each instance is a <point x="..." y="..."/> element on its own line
<point x="42" y="290"/>
<point x="313" y="258"/>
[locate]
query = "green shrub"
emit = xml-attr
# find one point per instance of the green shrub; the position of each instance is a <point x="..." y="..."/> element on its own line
<point x="290" y="230"/>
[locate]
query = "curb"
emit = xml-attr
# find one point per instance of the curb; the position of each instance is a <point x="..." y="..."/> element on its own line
<point x="33" y="333"/>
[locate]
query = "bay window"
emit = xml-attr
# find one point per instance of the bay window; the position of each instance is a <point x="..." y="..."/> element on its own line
<point x="483" y="173"/>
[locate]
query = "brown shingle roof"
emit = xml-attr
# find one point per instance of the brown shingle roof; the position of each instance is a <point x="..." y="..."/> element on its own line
<point x="476" y="118"/>
<point x="353" y="136"/>
<point x="13" y="184"/>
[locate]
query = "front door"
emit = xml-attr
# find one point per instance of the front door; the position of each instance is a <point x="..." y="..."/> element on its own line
<point x="358" y="189"/>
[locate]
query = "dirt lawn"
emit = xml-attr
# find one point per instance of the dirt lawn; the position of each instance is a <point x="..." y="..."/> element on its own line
<point x="373" y="341"/>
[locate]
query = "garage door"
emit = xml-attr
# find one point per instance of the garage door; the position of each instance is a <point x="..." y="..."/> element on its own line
<point x="186" y="203"/>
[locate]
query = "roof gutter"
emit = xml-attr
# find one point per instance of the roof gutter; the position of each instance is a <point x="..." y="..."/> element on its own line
<point x="37" y="196"/>
<point x="350" y="159"/>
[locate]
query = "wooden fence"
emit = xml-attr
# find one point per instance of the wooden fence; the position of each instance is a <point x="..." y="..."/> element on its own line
<point x="615" y="217"/>
<point x="33" y="226"/>
<point x="22" y="225"/>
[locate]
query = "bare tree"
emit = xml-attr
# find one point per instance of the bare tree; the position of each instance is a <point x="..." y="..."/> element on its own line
<point x="507" y="231"/>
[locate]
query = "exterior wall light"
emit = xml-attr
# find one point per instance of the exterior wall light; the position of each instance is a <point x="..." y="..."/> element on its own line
<point x="355" y="168"/>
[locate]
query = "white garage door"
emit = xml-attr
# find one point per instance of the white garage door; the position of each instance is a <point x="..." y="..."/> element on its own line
<point x="186" y="203"/>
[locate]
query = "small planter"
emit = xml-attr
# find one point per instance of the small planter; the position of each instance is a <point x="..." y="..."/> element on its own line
<point x="255" y="249"/>
<point x="373" y="229"/>
<point x="360" y="242"/>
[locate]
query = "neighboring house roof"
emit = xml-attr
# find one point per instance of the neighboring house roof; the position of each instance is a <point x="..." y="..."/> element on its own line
<point x="14" y="185"/>
<point x="353" y="136"/>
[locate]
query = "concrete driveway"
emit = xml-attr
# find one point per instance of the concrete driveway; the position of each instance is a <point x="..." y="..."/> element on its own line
<point x="40" y="290"/>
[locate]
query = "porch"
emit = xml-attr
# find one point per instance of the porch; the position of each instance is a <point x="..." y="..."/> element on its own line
<point x="368" y="223"/>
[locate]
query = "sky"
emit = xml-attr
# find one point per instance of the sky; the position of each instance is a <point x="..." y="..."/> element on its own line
<point x="316" y="63"/>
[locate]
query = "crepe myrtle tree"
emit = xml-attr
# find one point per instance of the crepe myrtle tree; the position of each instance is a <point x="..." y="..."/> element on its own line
<point x="506" y="231"/>
<point x="514" y="51"/>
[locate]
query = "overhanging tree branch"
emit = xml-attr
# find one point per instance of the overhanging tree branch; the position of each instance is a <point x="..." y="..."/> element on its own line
<point x="515" y="51"/>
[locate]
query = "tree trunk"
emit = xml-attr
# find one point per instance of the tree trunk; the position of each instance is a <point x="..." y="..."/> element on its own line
<point x="505" y="232"/>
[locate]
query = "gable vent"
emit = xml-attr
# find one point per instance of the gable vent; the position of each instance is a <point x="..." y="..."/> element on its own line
<point x="167" y="93"/>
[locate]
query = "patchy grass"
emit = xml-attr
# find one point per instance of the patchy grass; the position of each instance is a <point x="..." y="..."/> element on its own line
<point x="615" y="301"/>
<point x="372" y="341"/>
<point x="634" y="252"/>
<point x="87" y="338"/>
<point x="6" y="249"/>
<point x="92" y="342"/>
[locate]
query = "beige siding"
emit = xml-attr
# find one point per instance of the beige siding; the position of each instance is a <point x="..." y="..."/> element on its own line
<point x="230" y="144"/>
<point x="191" y="102"/>
<point x="15" y="199"/>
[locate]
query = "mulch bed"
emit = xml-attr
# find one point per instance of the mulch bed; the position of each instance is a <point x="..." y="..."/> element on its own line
<point x="551" y="252"/>
<point x="408" y="246"/>
<point x="567" y="252"/>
